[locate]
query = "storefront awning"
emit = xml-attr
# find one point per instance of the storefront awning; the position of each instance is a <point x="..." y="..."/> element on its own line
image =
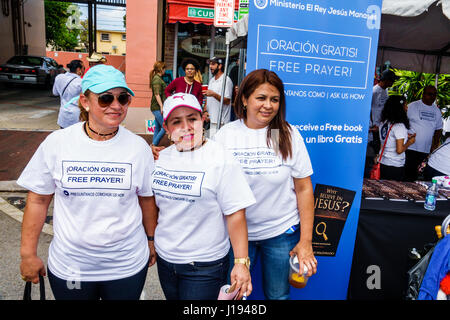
<point x="195" y="11"/>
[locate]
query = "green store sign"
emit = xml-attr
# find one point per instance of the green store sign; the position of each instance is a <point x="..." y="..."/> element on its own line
<point x="205" y="13"/>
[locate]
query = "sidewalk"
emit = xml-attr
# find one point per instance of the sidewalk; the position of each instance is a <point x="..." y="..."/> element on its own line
<point x="27" y="117"/>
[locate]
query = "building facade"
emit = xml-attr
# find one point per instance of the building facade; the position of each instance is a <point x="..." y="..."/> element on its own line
<point x="169" y="31"/>
<point x="111" y="42"/>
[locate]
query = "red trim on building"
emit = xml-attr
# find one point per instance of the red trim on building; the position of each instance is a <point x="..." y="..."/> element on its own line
<point x="177" y="10"/>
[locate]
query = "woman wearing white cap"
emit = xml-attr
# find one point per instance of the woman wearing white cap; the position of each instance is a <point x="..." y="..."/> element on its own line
<point x="201" y="194"/>
<point x="99" y="175"/>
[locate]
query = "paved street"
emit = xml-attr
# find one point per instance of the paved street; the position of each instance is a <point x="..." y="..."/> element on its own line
<point x="27" y="116"/>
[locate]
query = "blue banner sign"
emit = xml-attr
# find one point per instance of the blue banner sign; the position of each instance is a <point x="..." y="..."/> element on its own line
<point x="325" y="53"/>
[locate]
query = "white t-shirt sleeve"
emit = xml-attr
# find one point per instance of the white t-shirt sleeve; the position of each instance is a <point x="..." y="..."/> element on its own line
<point x="439" y="121"/>
<point x="233" y="191"/>
<point x="228" y="88"/>
<point x="146" y="188"/>
<point x="399" y="132"/>
<point x="37" y="176"/>
<point x="301" y="163"/>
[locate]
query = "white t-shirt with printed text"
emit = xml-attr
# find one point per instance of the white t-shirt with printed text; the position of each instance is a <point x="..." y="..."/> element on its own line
<point x="424" y="121"/>
<point x="270" y="178"/>
<point x="213" y="105"/>
<point x="97" y="220"/>
<point x="390" y="156"/>
<point x="194" y="191"/>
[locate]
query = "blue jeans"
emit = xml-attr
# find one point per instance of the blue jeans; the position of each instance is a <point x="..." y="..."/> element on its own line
<point x="192" y="281"/>
<point x="129" y="288"/>
<point x="159" y="130"/>
<point x="274" y="254"/>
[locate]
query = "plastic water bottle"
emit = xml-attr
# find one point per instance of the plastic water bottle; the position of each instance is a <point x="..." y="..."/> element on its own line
<point x="430" y="199"/>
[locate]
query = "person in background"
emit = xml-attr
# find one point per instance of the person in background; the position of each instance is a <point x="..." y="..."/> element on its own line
<point x="104" y="217"/>
<point x="379" y="97"/>
<point x="68" y="85"/>
<point x="395" y="121"/>
<point x="439" y="161"/>
<point x="425" y="119"/>
<point x="95" y="59"/>
<point x="201" y="194"/>
<point x="187" y="83"/>
<point x="158" y="86"/>
<point x="214" y="93"/>
<point x="278" y="169"/>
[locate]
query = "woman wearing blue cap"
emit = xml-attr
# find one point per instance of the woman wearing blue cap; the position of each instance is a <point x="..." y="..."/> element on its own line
<point x="104" y="213"/>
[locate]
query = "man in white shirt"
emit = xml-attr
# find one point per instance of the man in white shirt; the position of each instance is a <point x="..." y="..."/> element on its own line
<point x="379" y="97"/>
<point x="213" y="95"/>
<point x="425" y="120"/>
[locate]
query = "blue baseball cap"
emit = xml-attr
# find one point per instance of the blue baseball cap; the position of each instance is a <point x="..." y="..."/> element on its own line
<point x="101" y="78"/>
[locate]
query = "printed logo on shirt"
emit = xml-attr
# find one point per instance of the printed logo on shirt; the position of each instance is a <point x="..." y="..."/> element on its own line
<point x="257" y="160"/>
<point x="96" y="175"/>
<point x="186" y="183"/>
<point x="384" y="131"/>
<point x="428" y="116"/>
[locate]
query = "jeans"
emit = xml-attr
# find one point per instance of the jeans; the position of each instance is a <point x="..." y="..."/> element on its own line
<point x="129" y="288"/>
<point x="192" y="281"/>
<point x="274" y="253"/>
<point x="159" y="130"/>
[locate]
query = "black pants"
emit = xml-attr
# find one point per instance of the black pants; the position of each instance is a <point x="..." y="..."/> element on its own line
<point x="413" y="159"/>
<point x="122" y="289"/>
<point x="430" y="172"/>
<point x="392" y="173"/>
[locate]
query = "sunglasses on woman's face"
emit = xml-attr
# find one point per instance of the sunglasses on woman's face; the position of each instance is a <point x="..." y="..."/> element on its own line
<point x="106" y="99"/>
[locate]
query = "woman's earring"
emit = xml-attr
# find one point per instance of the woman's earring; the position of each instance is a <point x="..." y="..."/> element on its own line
<point x="245" y="108"/>
<point x="87" y="109"/>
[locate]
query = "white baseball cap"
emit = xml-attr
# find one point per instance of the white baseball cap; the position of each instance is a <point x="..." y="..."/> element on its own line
<point x="180" y="100"/>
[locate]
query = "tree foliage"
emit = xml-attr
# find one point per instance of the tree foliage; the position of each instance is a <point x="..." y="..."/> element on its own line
<point x="411" y="84"/>
<point x="58" y="35"/>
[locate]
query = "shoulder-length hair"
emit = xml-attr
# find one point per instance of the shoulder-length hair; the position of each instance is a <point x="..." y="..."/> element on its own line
<point x="278" y="131"/>
<point x="394" y="111"/>
<point x="157" y="68"/>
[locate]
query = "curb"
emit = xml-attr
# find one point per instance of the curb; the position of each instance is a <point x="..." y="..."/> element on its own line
<point x="15" y="213"/>
<point x="11" y="186"/>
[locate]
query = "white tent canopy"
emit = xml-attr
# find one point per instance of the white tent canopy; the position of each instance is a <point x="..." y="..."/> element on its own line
<point x="415" y="35"/>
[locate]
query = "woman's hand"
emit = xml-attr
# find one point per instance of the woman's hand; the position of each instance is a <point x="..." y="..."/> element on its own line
<point x="31" y="267"/>
<point x="241" y="275"/>
<point x="152" y="258"/>
<point x="305" y="255"/>
<point x="156" y="150"/>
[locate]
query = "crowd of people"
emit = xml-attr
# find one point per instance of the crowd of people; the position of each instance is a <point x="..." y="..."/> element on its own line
<point x="403" y="136"/>
<point x="200" y="208"/>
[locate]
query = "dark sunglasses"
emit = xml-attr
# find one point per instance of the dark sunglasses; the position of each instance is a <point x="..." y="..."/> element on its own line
<point x="106" y="99"/>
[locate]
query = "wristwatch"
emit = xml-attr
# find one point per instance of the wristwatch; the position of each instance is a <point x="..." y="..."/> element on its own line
<point x="244" y="261"/>
<point x="150" y="238"/>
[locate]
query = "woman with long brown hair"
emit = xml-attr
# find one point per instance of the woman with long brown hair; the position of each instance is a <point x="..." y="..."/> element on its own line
<point x="278" y="169"/>
<point x="158" y="86"/>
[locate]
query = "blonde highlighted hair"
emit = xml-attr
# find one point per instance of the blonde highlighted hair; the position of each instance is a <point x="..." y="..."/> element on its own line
<point x="84" y="115"/>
